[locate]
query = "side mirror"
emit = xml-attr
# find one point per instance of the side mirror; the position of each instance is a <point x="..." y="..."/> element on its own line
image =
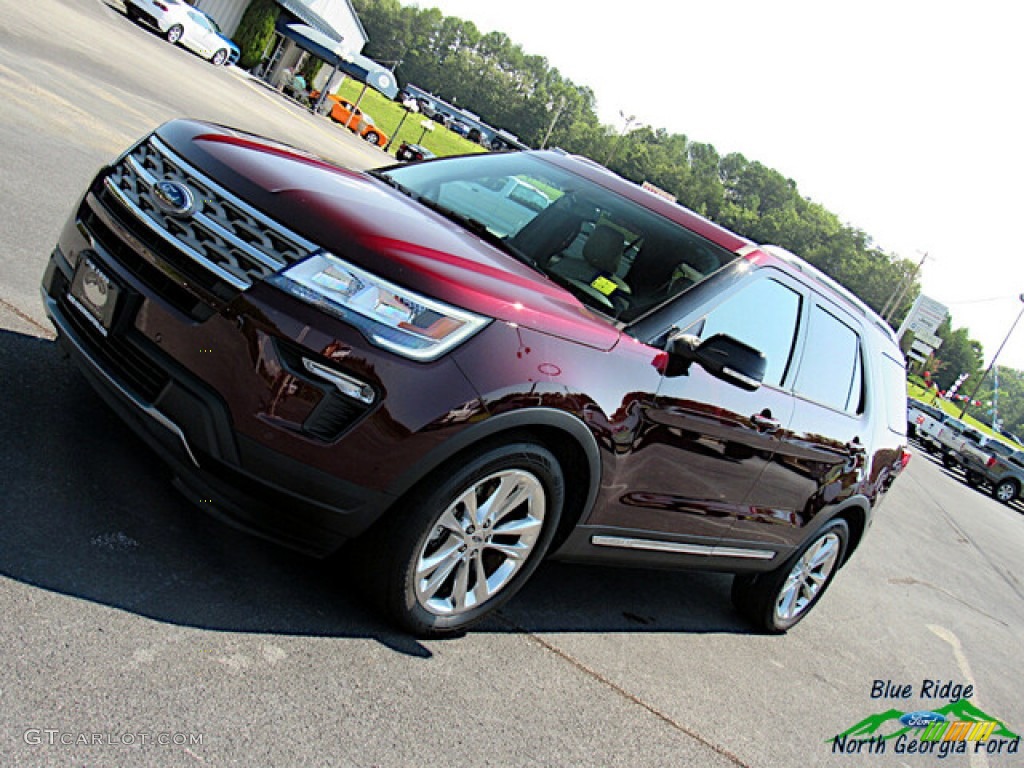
<point x="722" y="356"/>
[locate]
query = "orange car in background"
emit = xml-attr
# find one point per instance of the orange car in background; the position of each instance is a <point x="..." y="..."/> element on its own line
<point x="361" y="123"/>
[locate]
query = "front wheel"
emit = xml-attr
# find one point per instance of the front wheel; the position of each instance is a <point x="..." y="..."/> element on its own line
<point x="1005" y="491"/>
<point x="469" y="540"/>
<point x="219" y="58"/>
<point x="174" y="34"/>
<point x="776" y="601"/>
<point x="373" y="138"/>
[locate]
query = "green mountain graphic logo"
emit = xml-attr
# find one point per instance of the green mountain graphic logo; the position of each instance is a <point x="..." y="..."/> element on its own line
<point x="887" y="724"/>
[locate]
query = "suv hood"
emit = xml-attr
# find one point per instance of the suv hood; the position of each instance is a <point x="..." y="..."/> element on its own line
<point x="378" y="228"/>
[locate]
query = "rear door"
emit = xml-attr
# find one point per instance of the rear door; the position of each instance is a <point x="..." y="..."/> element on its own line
<point x="821" y="458"/>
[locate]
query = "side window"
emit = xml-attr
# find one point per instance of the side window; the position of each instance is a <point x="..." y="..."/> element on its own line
<point x="763" y="315"/>
<point x="830" y="368"/>
<point x="200" y="20"/>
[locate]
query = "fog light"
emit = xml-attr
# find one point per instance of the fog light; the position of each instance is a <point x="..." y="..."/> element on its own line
<point x="348" y="386"/>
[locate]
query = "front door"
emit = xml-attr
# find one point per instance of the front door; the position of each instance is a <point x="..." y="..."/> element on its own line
<point x="705" y="443"/>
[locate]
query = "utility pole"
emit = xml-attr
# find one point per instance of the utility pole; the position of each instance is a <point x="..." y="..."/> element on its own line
<point x="897" y="296"/>
<point x="995" y="398"/>
<point x="629" y="121"/>
<point x="994" y="358"/>
<point x="558" y="114"/>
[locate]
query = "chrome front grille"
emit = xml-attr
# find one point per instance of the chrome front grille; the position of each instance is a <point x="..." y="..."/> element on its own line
<point x="224" y="235"/>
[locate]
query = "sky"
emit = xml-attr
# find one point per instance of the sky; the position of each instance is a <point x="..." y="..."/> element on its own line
<point x="902" y="117"/>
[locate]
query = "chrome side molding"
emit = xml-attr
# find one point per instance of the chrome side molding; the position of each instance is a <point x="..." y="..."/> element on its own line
<point x="678" y="548"/>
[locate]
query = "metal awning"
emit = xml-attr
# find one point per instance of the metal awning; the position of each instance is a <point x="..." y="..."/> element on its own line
<point x="333" y="52"/>
<point x="368" y="71"/>
<point x="323" y="46"/>
<point x="306" y="14"/>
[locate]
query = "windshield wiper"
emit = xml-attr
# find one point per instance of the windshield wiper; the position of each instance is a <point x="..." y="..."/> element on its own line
<point x="477" y="227"/>
<point x="390" y="181"/>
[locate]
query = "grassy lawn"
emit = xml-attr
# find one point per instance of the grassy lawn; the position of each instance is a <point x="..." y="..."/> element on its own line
<point x="387" y="114"/>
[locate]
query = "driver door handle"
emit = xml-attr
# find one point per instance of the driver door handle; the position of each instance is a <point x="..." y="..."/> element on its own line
<point x="764" y="422"/>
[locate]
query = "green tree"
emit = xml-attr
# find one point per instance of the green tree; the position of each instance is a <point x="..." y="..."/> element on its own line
<point x="255" y="31"/>
<point x="492" y="75"/>
<point x="958" y="354"/>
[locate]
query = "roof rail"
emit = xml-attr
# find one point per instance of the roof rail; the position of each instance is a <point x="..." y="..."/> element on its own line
<point x="812" y="271"/>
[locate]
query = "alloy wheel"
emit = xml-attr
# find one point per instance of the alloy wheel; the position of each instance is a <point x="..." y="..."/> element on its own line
<point x="807" y="578"/>
<point x="480" y="542"/>
<point x="1005" y="492"/>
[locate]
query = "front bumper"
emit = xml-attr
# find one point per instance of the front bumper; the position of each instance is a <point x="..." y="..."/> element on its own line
<point x="226" y="474"/>
<point x="216" y="386"/>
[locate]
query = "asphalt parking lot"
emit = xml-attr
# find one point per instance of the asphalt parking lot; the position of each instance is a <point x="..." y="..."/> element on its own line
<point x="131" y="619"/>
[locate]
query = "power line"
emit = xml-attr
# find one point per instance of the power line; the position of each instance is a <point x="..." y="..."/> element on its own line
<point x="980" y="301"/>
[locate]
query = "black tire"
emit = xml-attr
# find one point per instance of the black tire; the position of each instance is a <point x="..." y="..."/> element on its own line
<point x="972" y="478"/>
<point x="174" y="34"/>
<point x="219" y="58"/>
<point x="949" y="461"/>
<point x="758" y="597"/>
<point x="373" y="138"/>
<point x="131" y="12"/>
<point x="1005" y="490"/>
<point x="433" y="534"/>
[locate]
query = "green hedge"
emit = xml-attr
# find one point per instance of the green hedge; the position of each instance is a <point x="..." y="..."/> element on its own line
<point x="255" y="31"/>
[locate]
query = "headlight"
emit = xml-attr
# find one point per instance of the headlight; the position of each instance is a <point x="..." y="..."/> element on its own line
<point x="389" y="316"/>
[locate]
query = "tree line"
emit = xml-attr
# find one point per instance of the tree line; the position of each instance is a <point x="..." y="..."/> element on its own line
<point x="508" y="88"/>
<point x="492" y="76"/>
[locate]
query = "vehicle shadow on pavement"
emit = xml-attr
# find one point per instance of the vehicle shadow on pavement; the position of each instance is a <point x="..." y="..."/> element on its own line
<point x="87" y="510"/>
<point x="578" y="598"/>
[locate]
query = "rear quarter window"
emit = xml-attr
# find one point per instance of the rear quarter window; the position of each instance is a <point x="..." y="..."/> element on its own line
<point x="894" y="391"/>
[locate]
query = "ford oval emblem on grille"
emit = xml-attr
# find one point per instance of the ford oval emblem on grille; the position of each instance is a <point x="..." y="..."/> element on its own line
<point x="174" y="198"/>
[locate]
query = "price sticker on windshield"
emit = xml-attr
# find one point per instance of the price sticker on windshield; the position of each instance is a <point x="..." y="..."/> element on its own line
<point x="604" y="285"/>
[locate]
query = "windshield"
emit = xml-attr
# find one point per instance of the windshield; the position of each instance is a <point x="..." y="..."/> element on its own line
<point x="613" y="254"/>
<point x="997" y="447"/>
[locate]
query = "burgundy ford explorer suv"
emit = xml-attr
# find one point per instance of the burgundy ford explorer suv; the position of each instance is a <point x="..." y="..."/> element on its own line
<point x="475" y="362"/>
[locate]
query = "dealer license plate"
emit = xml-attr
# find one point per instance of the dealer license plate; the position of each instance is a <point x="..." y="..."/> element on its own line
<point x="94" y="294"/>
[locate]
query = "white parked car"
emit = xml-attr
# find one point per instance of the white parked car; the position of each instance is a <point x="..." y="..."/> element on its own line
<point x="181" y="23"/>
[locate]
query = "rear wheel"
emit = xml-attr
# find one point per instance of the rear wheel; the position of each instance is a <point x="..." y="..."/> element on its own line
<point x="776" y="601"/>
<point x="949" y="461"/>
<point x="219" y="58"/>
<point x="468" y="541"/>
<point x="174" y="34"/>
<point x="373" y="138"/>
<point x="1005" y="491"/>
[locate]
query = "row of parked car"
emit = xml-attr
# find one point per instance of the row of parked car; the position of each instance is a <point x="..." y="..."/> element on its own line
<point x="985" y="461"/>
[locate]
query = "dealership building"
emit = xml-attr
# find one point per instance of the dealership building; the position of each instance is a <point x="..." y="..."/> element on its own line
<point x="336" y="19"/>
